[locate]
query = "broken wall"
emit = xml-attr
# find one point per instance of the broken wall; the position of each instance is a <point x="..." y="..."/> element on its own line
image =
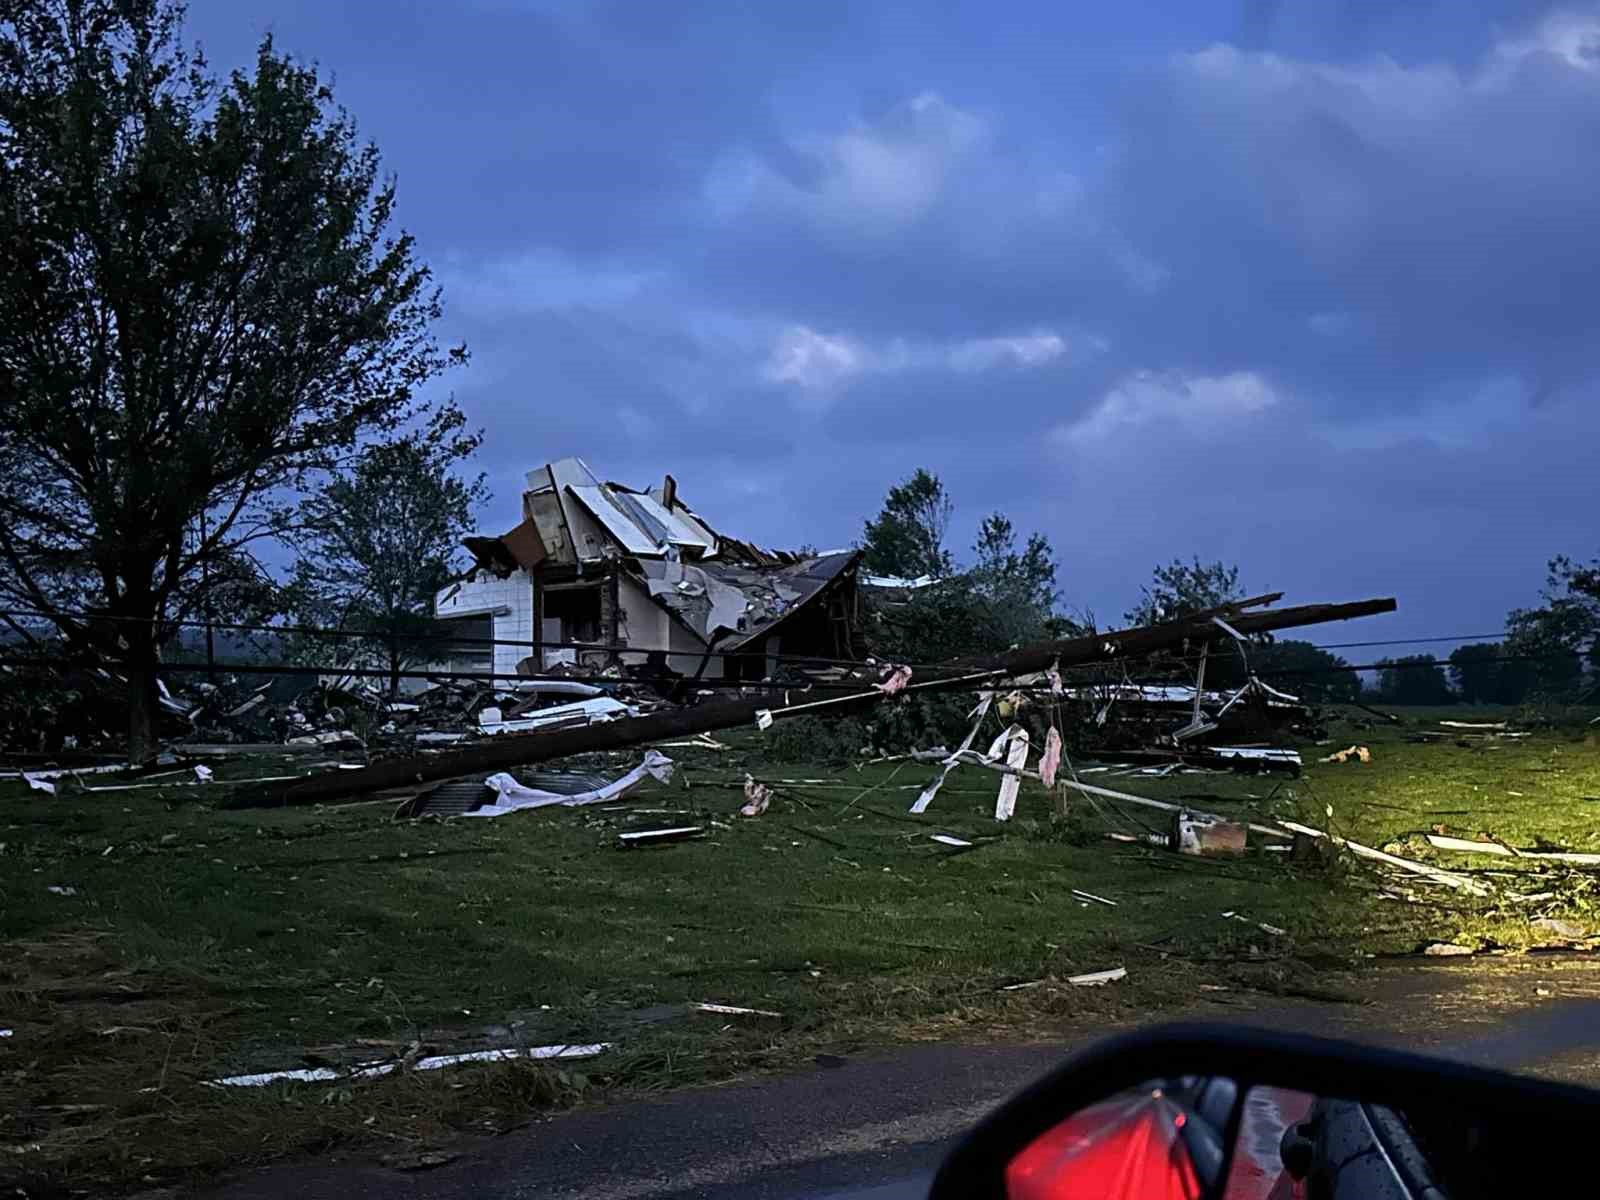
<point x="507" y="602"/>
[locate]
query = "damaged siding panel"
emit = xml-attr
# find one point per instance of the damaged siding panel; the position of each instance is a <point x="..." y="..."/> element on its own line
<point x="679" y="532"/>
<point x="541" y="504"/>
<point x="589" y="537"/>
<point x="613" y="520"/>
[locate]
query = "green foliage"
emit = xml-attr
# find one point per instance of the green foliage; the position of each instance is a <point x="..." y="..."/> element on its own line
<point x="1413" y="679"/>
<point x="816" y="739"/>
<point x="1181" y="588"/>
<point x="379" y="543"/>
<point x="1006" y="598"/>
<point x="1551" y="643"/>
<point x="201" y="302"/>
<point x="907" y="537"/>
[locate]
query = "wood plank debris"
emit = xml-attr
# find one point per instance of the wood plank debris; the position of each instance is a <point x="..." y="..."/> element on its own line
<point x="1467" y="846"/>
<point x="653" y="837"/>
<point x="1448" y="878"/>
<point x="945" y="839"/>
<point x="1098" y="978"/>
<point x="1360" y="753"/>
<point x="733" y="1010"/>
<point x="1092" y="898"/>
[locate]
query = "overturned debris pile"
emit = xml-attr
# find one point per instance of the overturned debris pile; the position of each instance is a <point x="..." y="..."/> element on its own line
<point x="762" y="710"/>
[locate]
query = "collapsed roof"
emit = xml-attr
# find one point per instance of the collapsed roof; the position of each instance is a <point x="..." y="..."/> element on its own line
<point x="725" y="590"/>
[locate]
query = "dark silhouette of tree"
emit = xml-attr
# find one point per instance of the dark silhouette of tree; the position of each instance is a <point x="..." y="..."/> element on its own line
<point x="1310" y="672"/>
<point x="906" y="539"/>
<point x="1184" y="587"/>
<point x="202" y="306"/>
<point x="1475" y="671"/>
<point x="1413" y="679"/>
<point x="379" y="543"/>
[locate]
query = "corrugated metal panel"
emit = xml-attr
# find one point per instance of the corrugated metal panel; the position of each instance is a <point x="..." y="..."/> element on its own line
<point x="616" y="523"/>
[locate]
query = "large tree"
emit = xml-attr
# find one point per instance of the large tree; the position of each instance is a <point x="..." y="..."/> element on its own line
<point x="380" y="541"/>
<point x="906" y="539"/>
<point x="202" y="303"/>
<point x="1005" y="598"/>
<point x="1550" y="644"/>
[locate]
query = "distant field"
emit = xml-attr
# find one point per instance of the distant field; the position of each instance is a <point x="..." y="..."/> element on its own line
<point x="201" y="942"/>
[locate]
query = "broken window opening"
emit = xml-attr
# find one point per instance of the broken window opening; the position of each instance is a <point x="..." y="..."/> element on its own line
<point x="572" y="612"/>
<point x="473" y="653"/>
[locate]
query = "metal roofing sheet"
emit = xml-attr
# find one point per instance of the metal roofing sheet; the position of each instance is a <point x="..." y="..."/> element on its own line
<point x="617" y="523"/>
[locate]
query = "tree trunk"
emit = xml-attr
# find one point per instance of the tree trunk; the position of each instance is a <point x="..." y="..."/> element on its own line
<point x="144" y="739"/>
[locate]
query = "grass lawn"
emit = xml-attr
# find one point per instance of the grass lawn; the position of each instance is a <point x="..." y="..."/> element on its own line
<point x="199" y="942"/>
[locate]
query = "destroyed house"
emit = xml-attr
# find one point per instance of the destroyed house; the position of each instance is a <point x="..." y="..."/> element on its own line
<point x="608" y="578"/>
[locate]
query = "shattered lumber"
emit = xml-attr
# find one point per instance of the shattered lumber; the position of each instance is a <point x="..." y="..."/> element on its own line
<point x="520" y="749"/>
<point x="1448" y="878"/>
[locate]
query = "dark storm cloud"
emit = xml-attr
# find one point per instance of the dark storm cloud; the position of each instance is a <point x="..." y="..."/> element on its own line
<point x="1311" y="290"/>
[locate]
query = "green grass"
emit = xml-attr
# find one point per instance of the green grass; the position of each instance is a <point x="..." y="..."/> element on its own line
<point x="202" y="942"/>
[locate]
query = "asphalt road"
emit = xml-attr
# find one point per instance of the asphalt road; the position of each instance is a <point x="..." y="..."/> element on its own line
<point x="875" y="1128"/>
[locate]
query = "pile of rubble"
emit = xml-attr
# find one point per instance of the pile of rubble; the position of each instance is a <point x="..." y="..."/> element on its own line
<point x="50" y="711"/>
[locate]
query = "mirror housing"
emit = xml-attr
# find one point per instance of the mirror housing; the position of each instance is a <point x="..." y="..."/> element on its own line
<point x="1378" y="1079"/>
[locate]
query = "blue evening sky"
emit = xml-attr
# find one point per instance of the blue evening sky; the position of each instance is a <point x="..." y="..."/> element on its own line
<point x="1309" y="287"/>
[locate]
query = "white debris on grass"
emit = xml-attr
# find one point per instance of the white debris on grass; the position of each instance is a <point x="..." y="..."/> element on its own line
<point x="512" y="796"/>
<point x="434" y="1063"/>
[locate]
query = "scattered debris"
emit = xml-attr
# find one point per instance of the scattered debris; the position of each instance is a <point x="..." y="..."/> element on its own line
<point x="491" y="721"/>
<point x="1494" y="725"/>
<point x="1090" y="896"/>
<point x="1446" y="950"/>
<point x="1162" y="806"/>
<point x="946" y="839"/>
<point x="1098" y="978"/>
<point x="1205" y="834"/>
<point x="757" y="796"/>
<point x="512" y="795"/>
<point x="1357" y="752"/>
<point x="651" y="837"/>
<point x="5" y="1033"/>
<point x="61" y="889"/>
<point x="38" y="782"/>
<point x="1050" y="760"/>
<point x="1261" y="925"/>
<point x="979" y="712"/>
<point x="894" y="681"/>
<point x="1013" y="743"/>
<point x="375" y="1070"/>
<point x="1460" y="882"/>
<point x="1468" y="846"/>
<point x="733" y="1010"/>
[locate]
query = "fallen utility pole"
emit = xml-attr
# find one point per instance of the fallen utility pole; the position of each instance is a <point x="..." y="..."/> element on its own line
<point x="522" y="749"/>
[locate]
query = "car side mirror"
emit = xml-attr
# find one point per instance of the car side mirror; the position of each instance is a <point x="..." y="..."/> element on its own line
<point x="1190" y="1112"/>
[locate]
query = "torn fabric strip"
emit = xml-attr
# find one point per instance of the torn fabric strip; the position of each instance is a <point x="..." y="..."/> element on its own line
<point x="932" y="790"/>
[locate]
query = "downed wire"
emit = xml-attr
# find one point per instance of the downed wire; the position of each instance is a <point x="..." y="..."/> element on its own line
<point x="516" y="750"/>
